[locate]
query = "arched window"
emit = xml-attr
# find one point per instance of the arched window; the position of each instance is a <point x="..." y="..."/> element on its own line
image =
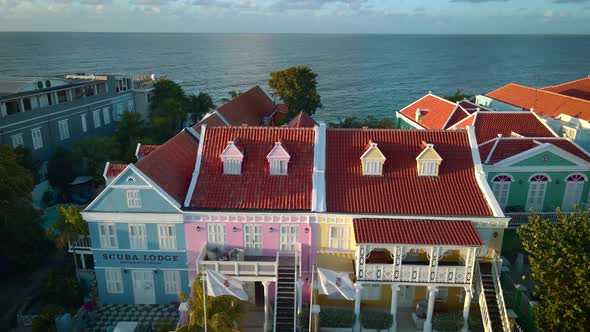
<point x="501" y="189"/>
<point x="574" y="184"/>
<point x="537" y="190"/>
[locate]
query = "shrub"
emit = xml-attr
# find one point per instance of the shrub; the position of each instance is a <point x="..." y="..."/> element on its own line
<point x="62" y="288"/>
<point x="376" y="320"/>
<point x="46" y="321"/>
<point x="164" y="325"/>
<point x="336" y="318"/>
<point x="452" y="321"/>
<point x="304" y="317"/>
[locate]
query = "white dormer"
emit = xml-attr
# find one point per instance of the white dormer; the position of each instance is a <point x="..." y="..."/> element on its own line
<point x="232" y="159"/>
<point x="278" y="160"/>
<point x="428" y="161"/>
<point x="372" y="160"/>
<point x="420" y="113"/>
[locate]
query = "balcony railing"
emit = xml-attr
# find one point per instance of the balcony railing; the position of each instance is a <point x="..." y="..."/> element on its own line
<point x="248" y="265"/>
<point x="416" y="273"/>
<point x="82" y="245"/>
<point x="521" y="218"/>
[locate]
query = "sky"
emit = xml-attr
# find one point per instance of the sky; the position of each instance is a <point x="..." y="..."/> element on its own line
<point x="300" y="16"/>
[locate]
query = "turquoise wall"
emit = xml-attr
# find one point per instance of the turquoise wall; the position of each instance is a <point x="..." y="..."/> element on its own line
<point x="403" y="124"/>
<point x="123" y="235"/>
<point x="124" y="179"/>
<point x="539" y="160"/>
<point x="115" y="200"/>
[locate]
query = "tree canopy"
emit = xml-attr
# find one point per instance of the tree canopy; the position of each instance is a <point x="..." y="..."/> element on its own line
<point x="198" y="105"/>
<point x="60" y="170"/>
<point x="69" y="226"/>
<point x="297" y="87"/>
<point x="559" y="255"/>
<point x="92" y="154"/>
<point x="459" y="96"/>
<point x="369" y="122"/>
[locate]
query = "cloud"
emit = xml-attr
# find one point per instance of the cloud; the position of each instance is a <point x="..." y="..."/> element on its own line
<point x="315" y="4"/>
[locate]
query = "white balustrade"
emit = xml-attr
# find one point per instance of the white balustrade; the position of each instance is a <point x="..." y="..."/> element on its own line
<point x="415" y="273"/>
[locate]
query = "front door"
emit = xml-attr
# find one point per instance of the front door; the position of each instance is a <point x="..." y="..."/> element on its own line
<point x="406" y="296"/>
<point x="253" y="239"/>
<point x="143" y="287"/>
<point x="289" y="235"/>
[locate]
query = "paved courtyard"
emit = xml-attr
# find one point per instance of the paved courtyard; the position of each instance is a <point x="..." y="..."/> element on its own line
<point x="108" y="315"/>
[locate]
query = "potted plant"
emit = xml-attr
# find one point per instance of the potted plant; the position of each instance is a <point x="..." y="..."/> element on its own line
<point x="336" y="320"/>
<point x="376" y="321"/>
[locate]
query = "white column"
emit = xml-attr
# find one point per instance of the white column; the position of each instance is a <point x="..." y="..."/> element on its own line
<point x="300" y="285"/>
<point x="466" y="307"/>
<point x="357" y="308"/>
<point x="266" y="305"/>
<point x="394" y="294"/>
<point x="3" y="109"/>
<point x="83" y="261"/>
<point x="21" y="105"/>
<point x="431" y="298"/>
<point x="54" y="98"/>
<point x="95" y="88"/>
<point x="69" y="94"/>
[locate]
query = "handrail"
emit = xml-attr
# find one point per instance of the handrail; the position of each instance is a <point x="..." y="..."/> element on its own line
<point x="496" y="271"/>
<point x="274" y="324"/>
<point x="200" y="256"/>
<point x="295" y="291"/>
<point x="483" y="305"/>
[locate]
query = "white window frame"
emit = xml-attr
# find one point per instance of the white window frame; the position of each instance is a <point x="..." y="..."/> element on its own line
<point x="289" y="246"/>
<point x="428" y="168"/>
<point x="573" y="191"/>
<point x="96" y="118"/>
<point x="17" y="140"/>
<point x="133" y="199"/>
<point x="279" y="166"/>
<point x="533" y="193"/>
<point x="64" y="129"/>
<point x="339" y="237"/>
<point x="373" y="167"/>
<point x="232" y="166"/>
<point x="108" y="239"/>
<point x="83" y="121"/>
<point x="114" y="281"/>
<point x="137" y="236"/>
<point x="106" y="114"/>
<point x="167" y="236"/>
<point x="37" y="138"/>
<point x="371" y="292"/>
<point x="215" y="236"/>
<point x="172" y="282"/>
<point x="501" y="189"/>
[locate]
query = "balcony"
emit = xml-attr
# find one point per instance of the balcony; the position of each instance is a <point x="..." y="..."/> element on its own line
<point x="240" y="265"/>
<point x="522" y="218"/>
<point x="80" y="246"/>
<point x="415" y="273"/>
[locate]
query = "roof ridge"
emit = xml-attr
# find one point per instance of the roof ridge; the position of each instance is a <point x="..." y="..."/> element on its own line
<point x="565" y="83"/>
<point x="394" y="130"/>
<point x="542" y="91"/>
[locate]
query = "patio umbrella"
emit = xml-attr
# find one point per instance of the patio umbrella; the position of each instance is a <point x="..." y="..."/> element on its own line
<point x="218" y="284"/>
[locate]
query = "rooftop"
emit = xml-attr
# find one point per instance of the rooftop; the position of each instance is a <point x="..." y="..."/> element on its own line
<point x="579" y="88"/>
<point x="436" y="112"/>
<point x="502" y="148"/>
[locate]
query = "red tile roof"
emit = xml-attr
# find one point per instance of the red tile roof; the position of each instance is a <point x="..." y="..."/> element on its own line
<point x="458" y="115"/>
<point x="302" y="120"/>
<point x="544" y="102"/>
<point x="255" y="188"/>
<point x="489" y="124"/>
<point x="578" y="88"/>
<point x="212" y="120"/>
<point x="508" y="147"/>
<point x="471" y="107"/>
<point x="145" y="149"/>
<point x="428" y="232"/>
<point x="114" y="169"/>
<point x="400" y="191"/>
<point x="250" y="108"/>
<point x="438" y="111"/>
<point x="171" y="165"/>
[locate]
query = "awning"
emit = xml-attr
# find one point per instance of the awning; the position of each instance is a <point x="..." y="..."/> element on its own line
<point x="408" y="231"/>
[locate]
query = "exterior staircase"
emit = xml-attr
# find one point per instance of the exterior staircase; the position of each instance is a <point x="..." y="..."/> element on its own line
<point x="285" y="294"/>
<point x="490" y="296"/>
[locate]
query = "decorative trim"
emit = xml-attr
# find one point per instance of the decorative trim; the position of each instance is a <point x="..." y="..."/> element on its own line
<point x="318" y="194"/>
<point x="542" y="148"/>
<point x="191" y="188"/>
<point x="131" y="217"/>
<point x="408" y="120"/>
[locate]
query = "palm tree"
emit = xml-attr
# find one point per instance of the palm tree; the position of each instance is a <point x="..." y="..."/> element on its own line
<point x="198" y="105"/>
<point x="69" y="226"/>
<point x="223" y="312"/>
<point x="232" y="95"/>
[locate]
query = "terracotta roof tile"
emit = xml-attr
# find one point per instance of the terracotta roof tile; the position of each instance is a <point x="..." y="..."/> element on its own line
<point x="471" y="107"/>
<point x="428" y="232"/>
<point x="302" y="120"/>
<point x="400" y="191"/>
<point x="172" y="164"/>
<point x="544" y="102"/>
<point x="145" y="149"/>
<point x="489" y="124"/>
<point x="458" y="115"/>
<point x="438" y="111"/>
<point x="250" y="108"/>
<point x="578" y="88"/>
<point x="255" y="188"/>
<point x="115" y="169"/>
<point x="212" y="120"/>
<point x="509" y="147"/>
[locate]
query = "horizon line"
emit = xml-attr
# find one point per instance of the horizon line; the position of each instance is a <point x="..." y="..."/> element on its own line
<point x="306" y="33"/>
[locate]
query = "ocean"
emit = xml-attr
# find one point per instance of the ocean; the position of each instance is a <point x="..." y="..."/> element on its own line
<point x="358" y="75"/>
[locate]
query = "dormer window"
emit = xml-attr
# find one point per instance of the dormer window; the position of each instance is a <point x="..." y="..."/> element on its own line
<point x="278" y="159"/>
<point x="428" y="161"/>
<point x="232" y="159"/>
<point x="372" y="160"/>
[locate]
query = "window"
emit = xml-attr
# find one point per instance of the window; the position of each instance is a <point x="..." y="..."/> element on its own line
<point x="64" y="130"/>
<point x="167" y="236"/>
<point x="371" y="292"/>
<point x="96" y="118"/>
<point x="172" y="282"/>
<point x="339" y="237"/>
<point x="289" y="236"/>
<point x="536" y="194"/>
<point x="215" y="236"/>
<point x="278" y="167"/>
<point x="373" y="167"/>
<point x="133" y="199"/>
<point x="501" y="189"/>
<point x="83" y="121"/>
<point x="62" y="96"/>
<point x="130" y="106"/>
<point x="278" y="159"/>
<point x="108" y="235"/>
<point x="17" y="140"/>
<point x="428" y="161"/>
<point x="106" y="115"/>
<point x="37" y="138"/>
<point x="137" y="236"/>
<point x="118" y="112"/>
<point x="569" y="132"/>
<point x="573" y="191"/>
<point x="114" y="281"/>
<point x="428" y="168"/>
<point x="372" y="160"/>
<point x="232" y="166"/>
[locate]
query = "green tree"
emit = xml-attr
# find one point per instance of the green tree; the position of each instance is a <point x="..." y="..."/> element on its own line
<point x="165" y="89"/>
<point x="198" y="105"/>
<point x="167" y="119"/>
<point x="23" y="240"/>
<point x="559" y="255"/>
<point x="69" y="226"/>
<point x="223" y="312"/>
<point x="459" y="96"/>
<point x="46" y="321"/>
<point x="231" y="96"/>
<point x="25" y="159"/>
<point x="297" y="87"/>
<point x="91" y="155"/>
<point x="60" y="168"/>
<point x="129" y="130"/>
<point x="369" y="122"/>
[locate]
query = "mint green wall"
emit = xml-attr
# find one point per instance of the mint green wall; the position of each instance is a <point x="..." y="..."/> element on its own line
<point x="539" y="160"/>
<point x="403" y="124"/>
<point x="553" y="196"/>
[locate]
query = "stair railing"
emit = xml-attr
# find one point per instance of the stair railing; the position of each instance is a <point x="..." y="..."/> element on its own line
<point x="295" y="291"/>
<point x="496" y="272"/>
<point x="483" y="305"/>
<point x="274" y="324"/>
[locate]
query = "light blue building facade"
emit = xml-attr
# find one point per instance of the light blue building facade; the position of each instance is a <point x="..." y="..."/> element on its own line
<point x="138" y="242"/>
